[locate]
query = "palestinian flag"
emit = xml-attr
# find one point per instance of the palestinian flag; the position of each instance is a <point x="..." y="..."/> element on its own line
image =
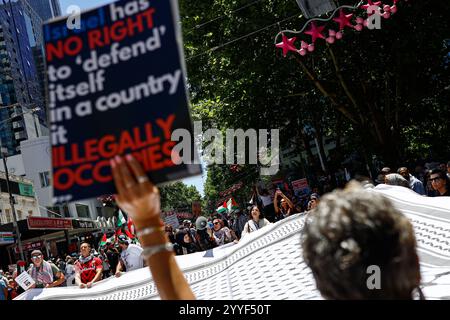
<point x="232" y="205"/>
<point x="222" y="209"/>
<point x="103" y="241"/>
<point x="130" y="227"/>
<point x="121" y="220"/>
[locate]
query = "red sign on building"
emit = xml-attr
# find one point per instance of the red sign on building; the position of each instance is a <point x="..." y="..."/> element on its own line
<point x="49" y="223"/>
<point x="30" y="246"/>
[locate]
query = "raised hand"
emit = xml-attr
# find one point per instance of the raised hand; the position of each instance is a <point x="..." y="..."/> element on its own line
<point x="137" y="196"/>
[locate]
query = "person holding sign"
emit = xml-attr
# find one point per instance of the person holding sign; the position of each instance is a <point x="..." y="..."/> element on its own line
<point x="45" y="274"/>
<point x="140" y="199"/>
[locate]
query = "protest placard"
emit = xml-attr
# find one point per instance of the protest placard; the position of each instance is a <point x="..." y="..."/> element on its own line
<point x="301" y="187"/>
<point x="116" y="85"/>
<point x="25" y="280"/>
<point x="172" y="220"/>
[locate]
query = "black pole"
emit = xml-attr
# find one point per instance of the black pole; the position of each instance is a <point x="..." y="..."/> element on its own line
<point x="11" y="201"/>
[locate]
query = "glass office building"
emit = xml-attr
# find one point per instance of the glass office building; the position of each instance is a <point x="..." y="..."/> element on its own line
<point x="20" y="85"/>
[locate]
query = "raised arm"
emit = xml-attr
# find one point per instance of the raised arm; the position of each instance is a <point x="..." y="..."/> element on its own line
<point x="140" y="199"/>
<point x="275" y="201"/>
<point x="289" y="202"/>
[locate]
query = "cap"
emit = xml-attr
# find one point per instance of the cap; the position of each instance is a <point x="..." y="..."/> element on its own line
<point x="122" y="239"/>
<point x="201" y="223"/>
<point x="36" y="252"/>
<point x="314" y="196"/>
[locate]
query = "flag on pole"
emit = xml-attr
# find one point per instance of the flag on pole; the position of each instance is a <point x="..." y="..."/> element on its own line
<point x="232" y="205"/>
<point x="222" y="209"/>
<point x="121" y="221"/>
<point x="103" y="241"/>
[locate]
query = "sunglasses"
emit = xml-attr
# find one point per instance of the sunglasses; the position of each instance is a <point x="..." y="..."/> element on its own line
<point x="36" y="257"/>
<point x="435" y="179"/>
<point x="216" y="222"/>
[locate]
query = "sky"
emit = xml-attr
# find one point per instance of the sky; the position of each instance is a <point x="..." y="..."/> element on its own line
<point x="87" y="4"/>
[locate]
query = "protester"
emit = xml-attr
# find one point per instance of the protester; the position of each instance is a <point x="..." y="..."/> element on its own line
<point x="239" y="223"/>
<point x="105" y="263"/>
<point x="88" y="269"/>
<point x="222" y="234"/>
<point x="440" y="183"/>
<point x="394" y="179"/>
<point x="3" y="278"/>
<point x="185" y="243"/>
<point x="12" y="289"/>
<point x="255" y="223"/>
<point x="204" y="235"/>
<point x="3" y="291"/>
<point x="353" y="230"/>
<point x="314" y="201"/>
<point x="267" y="202"/>
<point x="414" y="183"/>
<point x="70" y="271"/>
<point x="45" y="274"/>
<point x="140" y="199"/>
<point x="130" y="257"/>
<point x="170" y="233"/>
<point x="286" y="207"/>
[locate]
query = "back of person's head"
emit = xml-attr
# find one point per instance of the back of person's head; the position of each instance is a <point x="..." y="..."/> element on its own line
<point x="351" y="230"/>
<point x="395" y="179"/>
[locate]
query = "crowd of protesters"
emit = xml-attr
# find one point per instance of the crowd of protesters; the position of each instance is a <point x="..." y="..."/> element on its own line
<point x="123" y="254"/>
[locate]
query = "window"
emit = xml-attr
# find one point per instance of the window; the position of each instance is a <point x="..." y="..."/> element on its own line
<point x="8" y="216"/>
<point x="82" y="210"/>
<point x="19" y="215"/>
<point x="45" y="179"/>
<point x="66" y="211"/>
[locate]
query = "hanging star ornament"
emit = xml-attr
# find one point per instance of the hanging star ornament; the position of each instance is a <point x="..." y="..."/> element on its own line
<point x="287" y="44"/>
<point x="315" y="32"/>
<point x="344" y="20"/>
<point x="370" y="3"/>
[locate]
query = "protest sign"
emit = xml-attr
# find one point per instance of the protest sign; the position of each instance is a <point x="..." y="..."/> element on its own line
<point x="301" y="187"/>
<point x="116" y="85"/>
<point x="25" y="280"/>
<point x="172" y="220"/>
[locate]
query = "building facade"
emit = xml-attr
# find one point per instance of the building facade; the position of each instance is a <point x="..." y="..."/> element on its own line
<point x="20" y="85"/>
<point x="26" y="203"/>
<point x="46" y="9"/>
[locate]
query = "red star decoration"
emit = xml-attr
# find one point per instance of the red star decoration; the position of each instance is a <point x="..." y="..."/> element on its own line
<point x="315" y="32"/>
<point x="344" y="20"/>
<point x="287" y="45"/>
<point x="370" y="3"/>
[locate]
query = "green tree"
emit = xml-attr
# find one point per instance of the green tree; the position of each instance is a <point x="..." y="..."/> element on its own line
<point x="178" y="196"/>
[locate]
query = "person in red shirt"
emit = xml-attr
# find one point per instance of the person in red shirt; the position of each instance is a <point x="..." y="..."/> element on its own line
<point x="88" y="268"/>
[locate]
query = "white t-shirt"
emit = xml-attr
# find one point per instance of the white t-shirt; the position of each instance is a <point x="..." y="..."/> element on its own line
<point x="266" y="200"/>
<point x="132" y="257"/>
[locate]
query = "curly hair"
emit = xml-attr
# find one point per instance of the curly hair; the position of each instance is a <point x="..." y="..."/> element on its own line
<point x="351" y="230"/>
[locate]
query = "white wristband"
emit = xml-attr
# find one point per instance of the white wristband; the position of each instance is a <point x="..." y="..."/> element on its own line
<point x="149" y="230"/>
<point x="151" y="250"/>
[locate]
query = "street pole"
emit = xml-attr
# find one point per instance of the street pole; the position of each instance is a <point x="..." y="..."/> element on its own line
<point x="11" y="201"/>
<point x="35" y="125"/>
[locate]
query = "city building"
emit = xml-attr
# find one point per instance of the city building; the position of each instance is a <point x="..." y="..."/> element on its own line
<point x="22" y="107"/>
<point x="26" y="203"/>
<point x="46" y="9"/>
